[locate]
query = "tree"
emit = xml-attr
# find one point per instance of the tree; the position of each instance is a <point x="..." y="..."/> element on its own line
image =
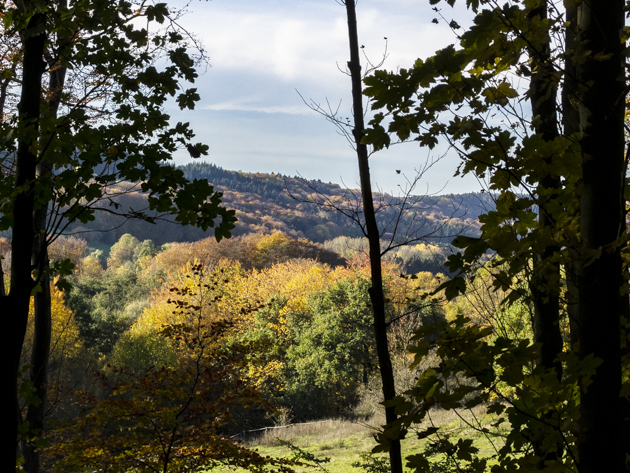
<point x="107" y="306"/>
<point x="333" y="342"/>
<point x="372" y="233"/>
<point x="560" y="193"/>
<point x="277" y="248"/>
<point x="64" y="148"/>
<point x="91" y="265"/>
<point x="123" y="251"/>
<point x="69" y="248"/>
<point x="66" y="345"/>
<point x="171" y="417"/>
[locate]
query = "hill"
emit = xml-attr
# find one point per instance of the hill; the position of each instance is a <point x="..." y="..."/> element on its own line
<point x="300" y="208"/>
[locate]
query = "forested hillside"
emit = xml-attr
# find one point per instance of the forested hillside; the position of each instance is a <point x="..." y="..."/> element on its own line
<point x="266" y="203"/>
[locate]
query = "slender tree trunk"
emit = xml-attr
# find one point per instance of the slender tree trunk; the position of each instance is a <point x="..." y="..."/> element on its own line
<point x="41" y="344"/>
<point x="571" y="124"/>
<point x="601" y="108"/>
<point x="15" y="305"/>
<point x="40" y="355"/>
<point x="544" y="284"/>
<point x="376" y="291"/>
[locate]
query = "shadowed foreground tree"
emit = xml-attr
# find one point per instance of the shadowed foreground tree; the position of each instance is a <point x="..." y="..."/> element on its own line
<point x="65" y="149"/>
<point x="372" y="233"/>
<point x="560" y="188"/>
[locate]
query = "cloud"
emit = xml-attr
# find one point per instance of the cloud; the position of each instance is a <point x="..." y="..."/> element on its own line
<point x="307" y="40"/>
<point x="258" y="108"/>
<point x="263" y="50"/>
<point x="287" y="43"/>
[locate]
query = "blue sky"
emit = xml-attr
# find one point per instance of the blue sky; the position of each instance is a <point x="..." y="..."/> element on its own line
<point x="263" y="51"/>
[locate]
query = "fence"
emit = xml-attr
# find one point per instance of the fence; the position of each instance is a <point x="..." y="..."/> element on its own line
<point x="261" y="431"/>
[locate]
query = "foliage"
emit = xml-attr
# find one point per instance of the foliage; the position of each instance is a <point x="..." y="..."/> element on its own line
<point x="333" y="343"/>
<point x="68" y="363"/>
<point x="217" y="301"/>
<point x="371" y="463"/>
<point x="66" y="342"/>
<point x="447" y="461"/>
<point x="170" y="418"/>
<point x="71" y="248"/>
<point x="277" y="248"/>
<point x="514" y="160"/>
<point x="93" y="79"/>
<point x="308" y="314"/>
<point x="486" y="305"/>
<point x="302" y="455"/>
<point x="67" y="356"/>
<point x="411" y="258"/>
<point x="123" y="251"/>
<point x="251" y="251"/>
<point x="138" y="351"/>
<point x="557" y="175"/>
<point x="133" y="137"/>
<point x="105" y="307"/>
<point x="264" y="206"/>
<point x="286" y="288"/>
<point x="474" y="370"/>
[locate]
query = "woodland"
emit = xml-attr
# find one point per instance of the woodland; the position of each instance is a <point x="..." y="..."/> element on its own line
<point x="284" y="328"/>
<point x="267" y="203"/>
<point x="124" y="353"/>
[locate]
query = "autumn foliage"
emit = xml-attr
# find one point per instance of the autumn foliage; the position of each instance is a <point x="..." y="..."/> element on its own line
<point x="163" y="353"/>
<point x="170" y="418"/>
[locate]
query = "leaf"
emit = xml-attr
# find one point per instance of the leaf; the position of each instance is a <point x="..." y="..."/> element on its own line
<point x="432" y="390"/>
<point x="427" y="432"/>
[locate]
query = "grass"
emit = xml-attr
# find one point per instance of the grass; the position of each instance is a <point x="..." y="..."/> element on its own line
<point x="344" y="441"/>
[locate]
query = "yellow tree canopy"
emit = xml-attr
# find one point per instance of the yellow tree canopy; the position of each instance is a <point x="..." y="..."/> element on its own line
<point x="65" y="341"/>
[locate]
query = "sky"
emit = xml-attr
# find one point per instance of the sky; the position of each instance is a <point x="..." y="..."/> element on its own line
<point x="267" y="55"/>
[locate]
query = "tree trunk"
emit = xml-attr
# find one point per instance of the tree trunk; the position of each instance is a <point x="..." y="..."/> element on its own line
<point x="544" y="285"/>
<point x="546" y="274"/>
<point x="15" y="305"/>
<point x="40" y="355"/>
<point x="571" y="124"/>
<point x="41" y="347"/>
<point x="376" y="291"/>
<point x="601" y="108"/>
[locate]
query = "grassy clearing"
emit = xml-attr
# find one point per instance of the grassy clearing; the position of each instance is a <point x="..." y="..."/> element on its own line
<point x="343" y="441"/>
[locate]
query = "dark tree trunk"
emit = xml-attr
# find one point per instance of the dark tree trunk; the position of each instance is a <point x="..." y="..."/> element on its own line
<point x="601" y="108"/>
<point x="42" y="302"/>
<point x="544" y="285"/>
<point x="546" y="272"/>
<point x="41" y="344"/>
<point x="15" y="305"/>
<point x="376" y="291"/>
<point x="571" y="125"/>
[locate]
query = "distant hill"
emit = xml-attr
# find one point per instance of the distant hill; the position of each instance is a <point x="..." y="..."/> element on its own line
<point x="300" y="208"/>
